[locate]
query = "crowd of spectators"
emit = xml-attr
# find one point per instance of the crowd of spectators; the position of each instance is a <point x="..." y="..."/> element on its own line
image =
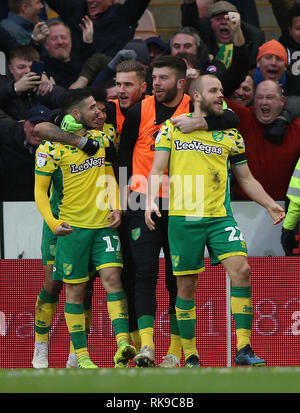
<point x="85" y="41"/>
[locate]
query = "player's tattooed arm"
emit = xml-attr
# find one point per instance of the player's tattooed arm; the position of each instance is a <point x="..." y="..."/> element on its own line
<point x="51" y="132"/>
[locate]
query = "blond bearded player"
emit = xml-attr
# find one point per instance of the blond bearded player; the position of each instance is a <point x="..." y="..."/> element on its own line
<point x="196" y="220"/>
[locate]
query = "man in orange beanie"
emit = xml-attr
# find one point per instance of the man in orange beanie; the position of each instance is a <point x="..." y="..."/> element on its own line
<point x="272" y="61"/>
<point x="272" y="64"/>
<point x="272" y="47"/>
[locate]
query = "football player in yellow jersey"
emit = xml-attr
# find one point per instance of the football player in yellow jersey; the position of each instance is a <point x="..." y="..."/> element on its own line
<point x="196" y="160"/>
<point x="89" y="192"/>
<point x="48" y="296"/>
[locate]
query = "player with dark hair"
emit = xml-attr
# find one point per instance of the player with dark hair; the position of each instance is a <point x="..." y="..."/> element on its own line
<point x="131" y="87"/>
<point x="48" y="296"/>
<point x="88" y="214"/>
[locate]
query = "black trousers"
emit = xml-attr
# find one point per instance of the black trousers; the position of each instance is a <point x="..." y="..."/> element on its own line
<point x="145" y="248"/>
<point x="128" y="273"/>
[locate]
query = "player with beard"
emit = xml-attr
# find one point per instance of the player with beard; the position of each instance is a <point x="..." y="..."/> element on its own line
<point x="204" y="218"/>
<point x="136" y="152"/>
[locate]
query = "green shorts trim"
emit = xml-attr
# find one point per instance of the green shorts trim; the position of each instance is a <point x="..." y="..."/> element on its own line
<point x="231" y="254"/>
<point x="189" y="236"/>
<point x="48" y="246"/>
<point x="111" y="264"/>
<point x="188" y="272"/>
<point x="85" y="251"/>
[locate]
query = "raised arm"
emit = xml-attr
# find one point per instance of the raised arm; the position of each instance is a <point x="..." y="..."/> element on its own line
<point x="256" y="192"/>
<point x="49" y="131"/>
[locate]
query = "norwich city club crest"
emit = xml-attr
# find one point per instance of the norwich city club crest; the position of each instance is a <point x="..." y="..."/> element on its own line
<point x="136" y="233"/>
<point x="175" y="260"/>
<point x="52" y="250"/>
<point x="67" y="268"/>
<point x="217" y="136"/>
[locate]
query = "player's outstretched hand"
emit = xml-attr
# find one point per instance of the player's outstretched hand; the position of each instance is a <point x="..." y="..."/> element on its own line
<point x="276" y="212"/>
<point x="63" y="229"/>
<point x="115" y="218"/>
<point x="153" y="209"/>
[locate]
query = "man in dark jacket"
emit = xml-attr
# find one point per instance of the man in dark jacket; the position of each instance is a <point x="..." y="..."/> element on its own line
<point x="17" y="151"/>
<point x="114" y="24"/>
<point x="7" y="42"/>
<point x="23" y="21"/>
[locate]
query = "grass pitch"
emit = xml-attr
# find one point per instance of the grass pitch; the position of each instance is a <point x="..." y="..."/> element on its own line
<point x="152" y="380"/>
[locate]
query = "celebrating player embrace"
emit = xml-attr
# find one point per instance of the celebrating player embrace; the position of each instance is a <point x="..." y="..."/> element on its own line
<point x="200" y="214"/>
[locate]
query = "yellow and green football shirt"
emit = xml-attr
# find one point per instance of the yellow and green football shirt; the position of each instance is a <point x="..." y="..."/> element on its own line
<point x="78" y="180"/>
<point x="112" y="134"/>
<point x="199" y="169"/>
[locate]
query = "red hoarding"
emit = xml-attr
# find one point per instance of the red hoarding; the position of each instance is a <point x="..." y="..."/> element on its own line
<point x="276" y="324"/>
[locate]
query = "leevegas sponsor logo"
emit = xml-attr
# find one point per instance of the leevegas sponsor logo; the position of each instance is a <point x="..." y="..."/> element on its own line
<point x="197" y="146"/>
<point x="87" y="164"/>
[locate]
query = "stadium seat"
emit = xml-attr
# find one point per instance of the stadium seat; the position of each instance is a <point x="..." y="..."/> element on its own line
<point x="50" y="13"/>
<point x="146" y="26"/>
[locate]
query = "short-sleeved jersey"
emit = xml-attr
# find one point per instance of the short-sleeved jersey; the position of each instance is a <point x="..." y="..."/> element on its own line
<point x="199" y="169"/>
<point x="78" y="181"/>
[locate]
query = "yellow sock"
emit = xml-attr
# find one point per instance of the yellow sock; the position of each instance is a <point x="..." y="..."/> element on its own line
<point x="72" y="350"/>
<point x="118" y="314"/>
<point x="146" y="335"/>
<point x="45" y="307"/>
<point x="189" y="346"/>
<point x="135" y="339"/>
<point x="175" y="346"/>
<point x="175" y="343"/>
<point x="186" y="319"/>
<point x="81" y="352"/>
<point x="145" y="325"/>
<point x="74" y="315"/>
<point x="243" y="337"/>
<point x="88" y="323"/>
<point x="241" y="307"/>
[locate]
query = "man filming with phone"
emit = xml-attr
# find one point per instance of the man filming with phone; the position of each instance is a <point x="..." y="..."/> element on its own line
<point x="29" y="77"/>
<point x="26" y="85"/>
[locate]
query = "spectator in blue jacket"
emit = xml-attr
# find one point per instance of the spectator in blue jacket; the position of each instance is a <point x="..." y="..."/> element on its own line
<point x="23" y="21"/>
